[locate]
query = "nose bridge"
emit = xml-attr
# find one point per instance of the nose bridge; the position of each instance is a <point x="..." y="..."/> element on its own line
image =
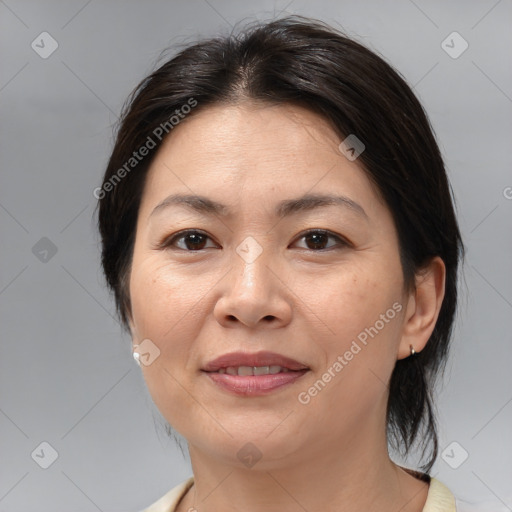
<point x="252" y="272"/>
<point x="253" y="293"/>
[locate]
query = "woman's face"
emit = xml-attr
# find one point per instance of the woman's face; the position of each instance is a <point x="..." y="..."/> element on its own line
<point x="249" y="278"/>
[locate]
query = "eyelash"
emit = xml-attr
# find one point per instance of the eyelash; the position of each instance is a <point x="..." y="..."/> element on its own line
<point x="168" y="242"/>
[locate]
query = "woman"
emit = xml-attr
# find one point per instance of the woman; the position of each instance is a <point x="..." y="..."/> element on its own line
<point x="279" y="234"/>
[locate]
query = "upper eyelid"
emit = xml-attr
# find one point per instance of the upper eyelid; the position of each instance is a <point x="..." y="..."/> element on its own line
<point x="181" y="234"/>
<point x="340" y="238"/>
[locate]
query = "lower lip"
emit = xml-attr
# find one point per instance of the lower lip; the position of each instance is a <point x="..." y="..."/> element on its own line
<point x="254" y="385"/>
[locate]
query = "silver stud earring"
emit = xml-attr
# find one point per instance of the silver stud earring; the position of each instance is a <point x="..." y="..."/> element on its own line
<point x="136" y="356"/>
<point x="412" y="350"/>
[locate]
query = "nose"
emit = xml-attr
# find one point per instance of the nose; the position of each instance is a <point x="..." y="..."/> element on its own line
<point x="256" y="295"/>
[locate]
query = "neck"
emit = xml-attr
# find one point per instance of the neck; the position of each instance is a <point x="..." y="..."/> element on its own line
<point x="356" y="476"/>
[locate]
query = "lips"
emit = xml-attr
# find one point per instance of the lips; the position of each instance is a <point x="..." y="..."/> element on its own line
<point x="253" y="375"/>
<point x="241" y="361"/>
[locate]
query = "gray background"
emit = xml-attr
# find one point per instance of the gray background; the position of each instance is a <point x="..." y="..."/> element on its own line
<point x="66" y="373"/>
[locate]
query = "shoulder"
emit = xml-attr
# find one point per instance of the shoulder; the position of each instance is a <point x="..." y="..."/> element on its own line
<point x="439" y="498"/>
<point x="168" y="502"/>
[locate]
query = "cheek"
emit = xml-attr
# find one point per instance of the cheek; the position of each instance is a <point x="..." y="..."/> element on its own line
<point x="350" y="301"/>
<point x="360" y="312"/>
<point x="359" y="350"/>
<point x="163" y="299"/>
<point x="165" y="310"/>
<point x="163" y="305"/>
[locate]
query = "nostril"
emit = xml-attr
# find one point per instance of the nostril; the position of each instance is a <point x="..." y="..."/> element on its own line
<point x="267" y="318"/>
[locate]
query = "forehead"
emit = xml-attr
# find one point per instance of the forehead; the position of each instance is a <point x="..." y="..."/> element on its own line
<point x="254" y="151"/>
<point x="250" y="134"/>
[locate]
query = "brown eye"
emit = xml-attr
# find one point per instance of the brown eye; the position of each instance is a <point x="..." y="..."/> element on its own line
<point x="317" y="240"/>
<point x="190" y="240"/>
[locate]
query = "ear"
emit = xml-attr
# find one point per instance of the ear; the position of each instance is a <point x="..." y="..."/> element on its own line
<point x="423" y="306"/>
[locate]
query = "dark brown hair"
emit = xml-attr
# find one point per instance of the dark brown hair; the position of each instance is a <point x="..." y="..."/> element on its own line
<point x="296" y="60"/>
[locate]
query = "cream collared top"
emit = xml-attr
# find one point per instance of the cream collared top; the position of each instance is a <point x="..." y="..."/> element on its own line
<point x="439" y="498"/>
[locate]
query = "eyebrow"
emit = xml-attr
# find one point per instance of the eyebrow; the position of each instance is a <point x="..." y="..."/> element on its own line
<point x="283" y="209"/>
